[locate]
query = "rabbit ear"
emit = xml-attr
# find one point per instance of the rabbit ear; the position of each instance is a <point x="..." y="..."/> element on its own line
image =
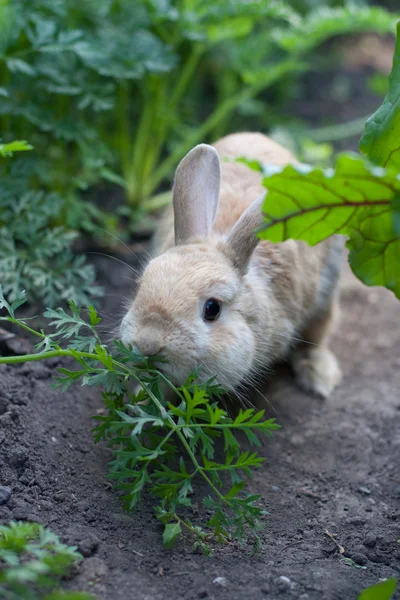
<point x="196" y="193"/>
<point x="242" y="240"/>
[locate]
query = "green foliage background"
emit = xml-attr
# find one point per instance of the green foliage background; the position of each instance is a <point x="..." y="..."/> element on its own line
<point x="383" y="590"/>
<point x="111" y="90"/>
<point x="358" y="198"/>
<point x="32" y="562"/>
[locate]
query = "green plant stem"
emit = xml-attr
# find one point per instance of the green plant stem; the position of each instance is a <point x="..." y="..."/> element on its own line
<point x="186" y="75"/>
<point x="4" y="118"/>
<point x="180" y="89"/>
<point x="227" y="87"/>
<point x="164" y="440"/>
<point x="190" y="528"/>
<point x="164" y="34"/>
<point x="217" y="425"/>
<point x="158" y="201"/>
<point x="156" y="126"/>
<point x="13" y="360"/>
<point x="171" y="423"/>
<point x="341" y="131"/>
<point x="23" y="326"/>
<point x="165" y="379"/>
<point x="220" y="113"/>
<point x="158" y="130"/>
<point x="140" y="145"/>
<point x="22" y="52"/>
<point x="124" y="141"/>
<point x="175" y="428"/>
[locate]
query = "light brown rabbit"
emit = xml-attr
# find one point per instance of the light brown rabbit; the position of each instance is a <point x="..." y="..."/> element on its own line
<point x="217" y="297"/>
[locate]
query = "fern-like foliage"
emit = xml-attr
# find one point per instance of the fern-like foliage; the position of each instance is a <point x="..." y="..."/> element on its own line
<point x="34" y="254"/>
<point x="160" y="448"/>
<point x="87" y="81"/>
<point x="32" y="562"/>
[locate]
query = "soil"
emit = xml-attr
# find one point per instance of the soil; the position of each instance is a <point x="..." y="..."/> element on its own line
<point x="334" y="467"/>
<point x="331" y="480"/>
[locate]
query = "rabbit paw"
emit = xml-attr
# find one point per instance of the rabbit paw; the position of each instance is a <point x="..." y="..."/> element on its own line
<point x="316" y="370"/>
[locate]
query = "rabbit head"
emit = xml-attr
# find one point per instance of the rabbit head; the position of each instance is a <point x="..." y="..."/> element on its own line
<point x="194" y="306"/>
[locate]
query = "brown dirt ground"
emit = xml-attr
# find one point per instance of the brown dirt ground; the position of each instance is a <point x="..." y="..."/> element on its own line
<point x="334" y="466"/>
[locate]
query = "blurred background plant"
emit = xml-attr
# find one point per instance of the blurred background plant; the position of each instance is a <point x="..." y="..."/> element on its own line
<point x="34" y="255"/>
<point x="32" y="563"/>
<point x="115" y="91"/>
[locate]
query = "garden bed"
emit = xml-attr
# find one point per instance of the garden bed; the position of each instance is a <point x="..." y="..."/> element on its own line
<point x="333" y="467"/>
<point x="331" y="481"/>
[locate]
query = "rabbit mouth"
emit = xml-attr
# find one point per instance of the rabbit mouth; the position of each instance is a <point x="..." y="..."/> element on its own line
<point x="161" y="365"/>
<point x="161" y="369"/>
<point x="175" y="376"/>
<point x="165" y="370"/>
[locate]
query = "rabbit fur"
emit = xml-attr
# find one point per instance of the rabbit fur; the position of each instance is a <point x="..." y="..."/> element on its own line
<point x="278" y="301"/>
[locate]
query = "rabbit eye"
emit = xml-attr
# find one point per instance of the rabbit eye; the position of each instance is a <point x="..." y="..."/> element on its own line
<point x="212" y="309"/>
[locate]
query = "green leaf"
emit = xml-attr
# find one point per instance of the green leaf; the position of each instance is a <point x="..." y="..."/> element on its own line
<point x="60" y="595"/>
<point x="233" y="28"/>
<point x="104" y="357"/>
<point x="383" y="590"/>
<point x="43" y="30"/>
<point x="354" y="199"/>
<point x="351" y="563"/>
<point x="19" y="300"/>
<point x="35" y="558"/>
<point x="69" y="325"/>
<point x="324" y="22"/>
<point x="381" y="140"/>
<point x="141" y="421"/>
<point x="171" y="533"/>
<point x="69" y="379"/>
<point x="235" y="489"/>
<point x="16" y="146"/>
<point x="16" y="65"/>
<point x="94" y="319"/>
<point x="35" y="255"/>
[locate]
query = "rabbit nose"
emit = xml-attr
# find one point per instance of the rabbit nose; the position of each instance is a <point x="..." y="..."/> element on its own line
<point x="149" y="342"/>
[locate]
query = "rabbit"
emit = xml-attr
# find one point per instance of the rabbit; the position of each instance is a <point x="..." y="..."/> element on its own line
<point x="217" y="297"/>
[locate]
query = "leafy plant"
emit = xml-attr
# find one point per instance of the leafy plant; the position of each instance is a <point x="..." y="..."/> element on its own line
<point x="383" y="590"/>
<point x="32" y="562"/>
<point x="357" y="198"/>
<point x="380" y="140"/>
<point x="354" y="199"/>
<point x="160" y="448"/>
<point x="35" y="255"/>
<point x="11" y="147"/>
<point x="103" y="90"/>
